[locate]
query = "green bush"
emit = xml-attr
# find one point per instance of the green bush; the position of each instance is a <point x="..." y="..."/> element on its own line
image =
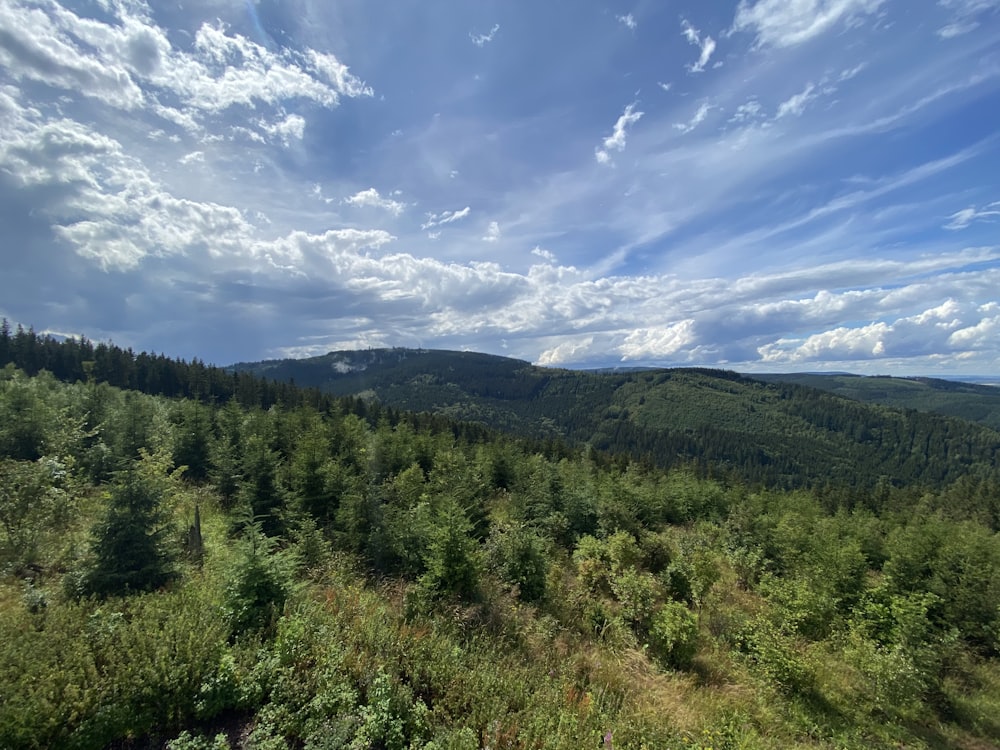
<point x="673" y="635"/>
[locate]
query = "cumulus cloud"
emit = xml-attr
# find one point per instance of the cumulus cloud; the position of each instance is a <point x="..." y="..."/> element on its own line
<point x="285" y="130"/>
<point x="371" y="198"/>
<point x="706" y="44"/>
<point x="445" y="217"/>
<point x="658" y="343"/>
<point x="786" y="23"/>
<point x="569" y="351"/>
<point x="131" y="64"/>
<point x="616" y="141"/>
<point x="950" y="328"/>
<point x="114" y="214"/>
<point x="102" y="174"/>
<point x="544" y="254"/>
<point x="481" y="40"/>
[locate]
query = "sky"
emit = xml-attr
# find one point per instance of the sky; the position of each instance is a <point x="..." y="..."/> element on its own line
<point x="763" y="185"/>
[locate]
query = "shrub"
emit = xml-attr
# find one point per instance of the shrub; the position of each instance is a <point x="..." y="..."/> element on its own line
<point x="673" y="635"/>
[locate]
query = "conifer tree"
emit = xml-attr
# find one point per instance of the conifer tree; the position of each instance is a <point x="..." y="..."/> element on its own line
<point x="131" y="541"/>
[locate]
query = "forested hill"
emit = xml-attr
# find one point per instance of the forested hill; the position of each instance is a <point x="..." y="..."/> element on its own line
<point x="975" y="402"/>
<point x="248" y="564"/>
<point x="778" y="433"/>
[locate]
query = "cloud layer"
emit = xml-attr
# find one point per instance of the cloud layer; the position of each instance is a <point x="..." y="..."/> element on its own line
<point x="811" y="189"/>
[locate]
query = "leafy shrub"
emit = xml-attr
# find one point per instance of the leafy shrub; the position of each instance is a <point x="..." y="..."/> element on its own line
<point x="673" y="635"/>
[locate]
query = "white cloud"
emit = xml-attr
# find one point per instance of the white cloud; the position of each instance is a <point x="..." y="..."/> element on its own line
<point x="544" y="254"/>
<point x="965" y="217"/>
<point x="747" y="112"/>
<point x="566" y="351"/>
<point x="659" y="342"/>
<point x="796" y="104"/>
<point x="194" y="156"/>
<point x="785" y="23"/>
<point x="966" y="15"/>
<point x="481" y="40"/>
<point x="492" y="232"/>
<point x="371" y="198"/>
<point x="35" y="45"/>
<point x="697" y="119"/>
<point x="616" y="141"/>
<point x="938" y="331"/>
<point x="628" y="20"/>
<point x="706" y="45"/>
<point x="445" y="217"/>
<point x="131" y="63"/>
<point x="919" y="307"/>
<point x="292" y="126"/>
<point x="849" y="73"/>
<point x="665" y="86"/>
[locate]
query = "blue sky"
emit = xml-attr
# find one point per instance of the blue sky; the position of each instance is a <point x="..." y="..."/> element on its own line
<point x="765" y="185"/>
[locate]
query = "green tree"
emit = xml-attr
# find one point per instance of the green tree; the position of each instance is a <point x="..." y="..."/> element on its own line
<point x="452" y="555"/>
<point x="131" y="543"/>
<point x="31" y="503"/>
<point x="519" y="557"/>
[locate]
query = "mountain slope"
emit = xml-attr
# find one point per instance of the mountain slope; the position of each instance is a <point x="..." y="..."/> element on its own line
<point x="778" y="433"/>
<point x="976" y="403"/>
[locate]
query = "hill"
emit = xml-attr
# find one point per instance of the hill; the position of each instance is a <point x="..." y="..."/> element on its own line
<point x="186" y="574"/>
<point x="779" y="433"/>
<point x="971" y="401"/>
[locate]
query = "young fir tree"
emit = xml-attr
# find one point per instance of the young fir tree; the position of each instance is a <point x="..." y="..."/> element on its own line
<point x="131" y="542"/>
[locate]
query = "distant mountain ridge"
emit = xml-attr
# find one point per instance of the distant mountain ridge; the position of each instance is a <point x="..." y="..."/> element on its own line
<point x="775" y="431"/>
<point x="973" y="401"/>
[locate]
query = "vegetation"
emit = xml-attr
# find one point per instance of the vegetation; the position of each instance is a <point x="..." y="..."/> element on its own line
<point x="779" y="434"/>
<point x="274" y="567"/>
<point x="971" y="401"/>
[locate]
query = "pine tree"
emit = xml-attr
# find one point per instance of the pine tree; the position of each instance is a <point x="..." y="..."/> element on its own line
<point x="130" y="543"/>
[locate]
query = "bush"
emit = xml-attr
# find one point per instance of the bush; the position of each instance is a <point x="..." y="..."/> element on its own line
<point x="519" y="558"/>
<point x="673" y="635"/>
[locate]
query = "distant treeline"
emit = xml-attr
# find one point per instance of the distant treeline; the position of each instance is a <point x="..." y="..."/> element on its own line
<point x="79" y="359"/>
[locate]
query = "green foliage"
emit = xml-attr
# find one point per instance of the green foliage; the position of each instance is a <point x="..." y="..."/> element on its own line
<point x="520" y="558"/>
<point x="776" y="656"/>
<point x="133" y="542"/>
<point x="451" y="559"/>
<point x="673" y="635"/>
<point x="383" y="614"/>
<point x="24" y="418"/>
<point x="258" y="587"/>
<point x="259" y="486"/>
<point x="33" y="503"/>
<point x="80" y="676"/>
<point x="187" y="741"/>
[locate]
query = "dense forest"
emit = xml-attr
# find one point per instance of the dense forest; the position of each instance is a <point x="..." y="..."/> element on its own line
<point x="975" y="402"/>
<point x="779" y="434"/>
<point x="197" y="558"/>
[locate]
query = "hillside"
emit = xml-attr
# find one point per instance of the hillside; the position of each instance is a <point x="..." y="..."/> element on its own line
<point x="976" y="403"/>
<point x="263" y="567"/>
<point x="779" y="433"/>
